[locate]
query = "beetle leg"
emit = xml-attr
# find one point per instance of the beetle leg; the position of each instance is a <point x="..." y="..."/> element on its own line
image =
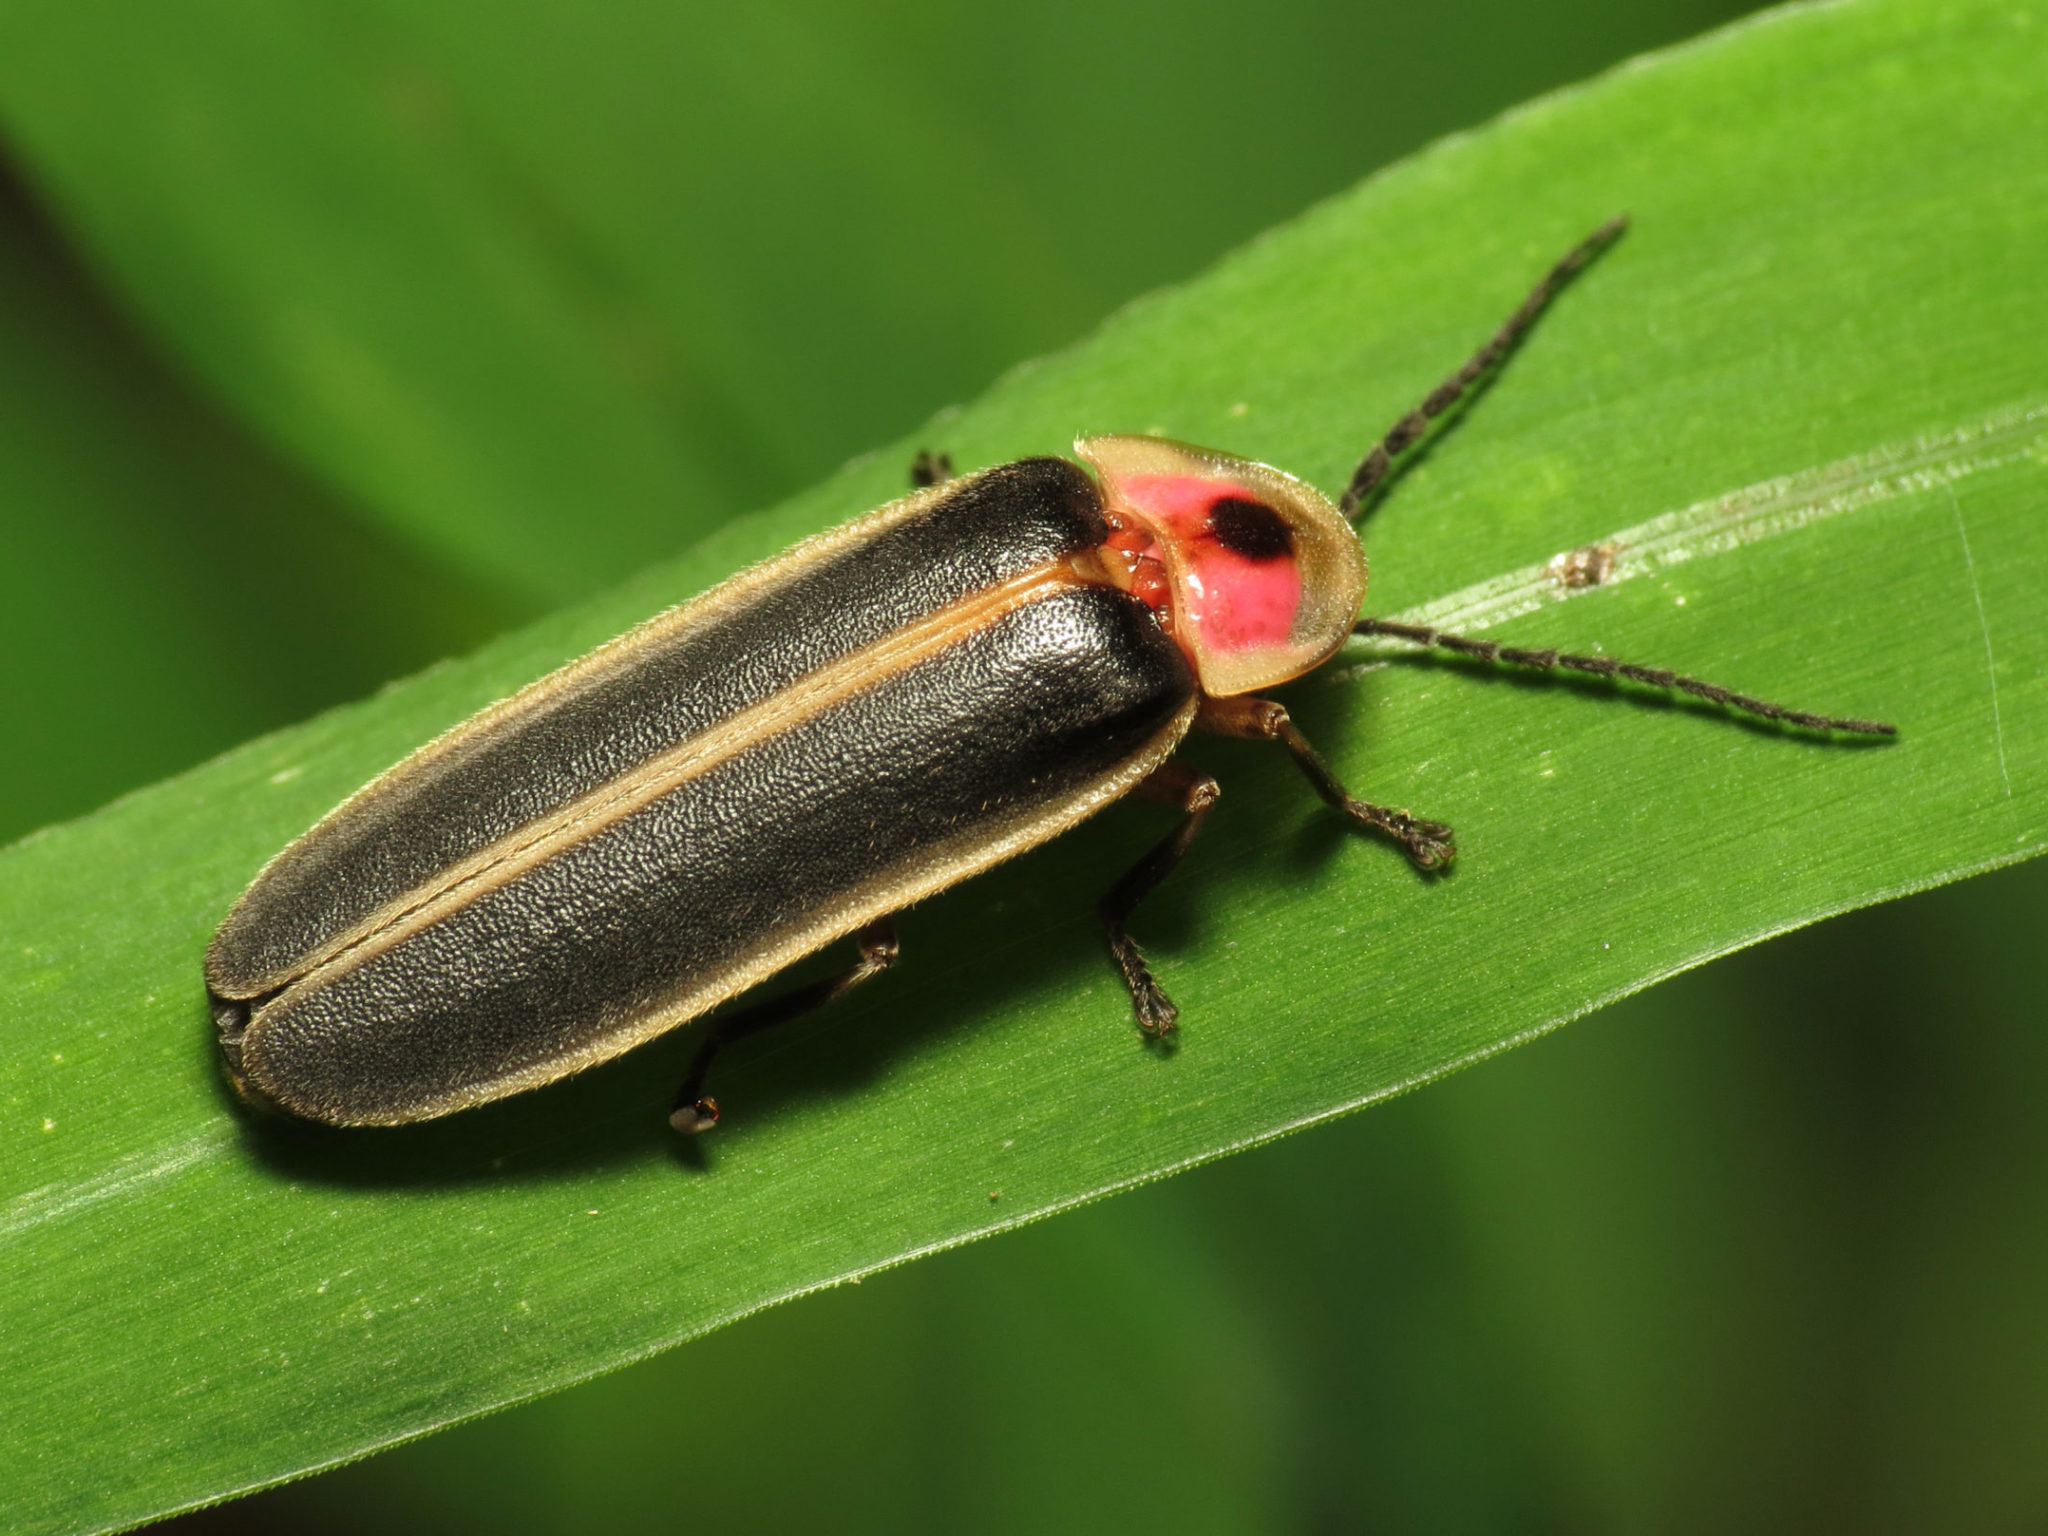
<point x="1429" y="844"/>
<point x="1372" y="469"/>
<point x="693" y="1112"/>
<point x="1602" y="666"/>
<point x="1194" y="793"/>
<point x="930" y="468"/>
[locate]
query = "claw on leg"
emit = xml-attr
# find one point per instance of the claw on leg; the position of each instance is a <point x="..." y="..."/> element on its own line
<point x="695" y="1117"/>
<point x="1429" y="845"/>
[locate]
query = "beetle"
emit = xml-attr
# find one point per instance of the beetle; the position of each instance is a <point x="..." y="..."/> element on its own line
<point x="801" y="752"/>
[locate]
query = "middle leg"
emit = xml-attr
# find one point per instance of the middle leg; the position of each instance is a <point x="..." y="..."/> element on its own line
<point x="1195" y="793"/>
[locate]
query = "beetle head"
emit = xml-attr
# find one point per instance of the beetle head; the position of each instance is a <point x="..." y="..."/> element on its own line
<point x="1264" y="576"/>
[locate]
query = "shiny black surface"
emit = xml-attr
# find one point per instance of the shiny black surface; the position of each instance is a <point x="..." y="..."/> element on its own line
<point x="592" y="727"/>
<point x="922" y="769"/>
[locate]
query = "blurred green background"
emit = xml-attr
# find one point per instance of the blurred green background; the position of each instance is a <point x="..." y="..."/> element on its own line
<point x="336" y="338"/>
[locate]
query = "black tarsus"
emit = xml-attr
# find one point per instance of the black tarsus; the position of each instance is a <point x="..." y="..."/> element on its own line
<point x="1195" y="793"/>
<point x="1602" y="666"/>
<point x="930" y="468"/>
<point x="1372" y="469"/>
<point x="692" y="1111"/>
<point x="1430" y="845"/>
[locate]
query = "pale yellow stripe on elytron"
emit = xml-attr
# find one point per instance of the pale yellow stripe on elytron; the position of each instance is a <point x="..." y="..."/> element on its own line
<point x="942" y="867"/>
<point x="607" y="660"/>
<point x="690" y="758"/>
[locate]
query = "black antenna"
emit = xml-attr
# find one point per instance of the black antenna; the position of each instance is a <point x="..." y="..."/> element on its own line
<point x="1372" y="469"/>
<point x="1603" y="666"/>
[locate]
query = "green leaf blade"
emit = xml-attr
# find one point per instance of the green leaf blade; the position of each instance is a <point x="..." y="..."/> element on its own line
<point x="197" y="1305"/>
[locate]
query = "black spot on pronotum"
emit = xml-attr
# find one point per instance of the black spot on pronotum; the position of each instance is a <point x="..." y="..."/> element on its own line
<point x="1250" y="528"/>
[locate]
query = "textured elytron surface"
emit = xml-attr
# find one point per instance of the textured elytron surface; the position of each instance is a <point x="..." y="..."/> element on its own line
<point x="585" y="726"/>
<point x="926" y="766"/>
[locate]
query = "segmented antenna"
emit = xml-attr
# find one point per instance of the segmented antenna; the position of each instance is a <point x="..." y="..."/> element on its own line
<point x="1372" y="469"/>
<point x="1602" y="666"/>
